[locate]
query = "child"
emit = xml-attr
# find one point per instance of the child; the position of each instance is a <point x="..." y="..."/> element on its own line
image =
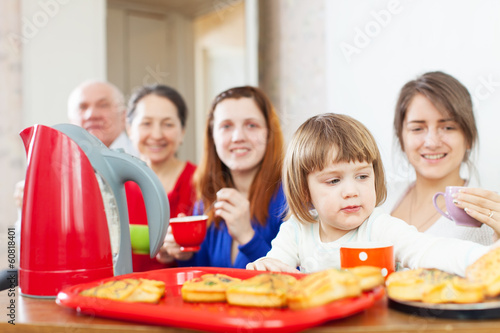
<point x="333" y="179"/>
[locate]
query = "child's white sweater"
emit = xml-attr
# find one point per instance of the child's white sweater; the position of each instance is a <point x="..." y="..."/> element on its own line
<point x="298" y="244"/>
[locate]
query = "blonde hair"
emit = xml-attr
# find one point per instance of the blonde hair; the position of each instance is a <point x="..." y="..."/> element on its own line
<point x="311" y="149"/>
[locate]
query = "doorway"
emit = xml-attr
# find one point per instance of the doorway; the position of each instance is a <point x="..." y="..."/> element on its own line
<point x="198" y="47"/>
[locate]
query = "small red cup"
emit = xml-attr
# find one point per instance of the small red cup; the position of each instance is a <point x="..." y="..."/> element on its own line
<point x="189" y="231"/>
<point x="376" y="254"/>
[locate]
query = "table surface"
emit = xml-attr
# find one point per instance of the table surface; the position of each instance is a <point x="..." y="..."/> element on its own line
<point x="44" y="315"/>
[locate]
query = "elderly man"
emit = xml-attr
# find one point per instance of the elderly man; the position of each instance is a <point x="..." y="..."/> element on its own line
<point x="99" y="107"/>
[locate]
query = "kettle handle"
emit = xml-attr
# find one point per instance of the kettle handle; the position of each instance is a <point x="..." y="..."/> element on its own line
<point x="129" y="168"/>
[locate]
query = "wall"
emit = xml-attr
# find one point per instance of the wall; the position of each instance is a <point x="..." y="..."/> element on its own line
<point x="219" y="48"/>
<point x="11" y="151"/>
<point x="62" y="50"/>
<point x="47" y="48"/>
<point x="292" y="59"/>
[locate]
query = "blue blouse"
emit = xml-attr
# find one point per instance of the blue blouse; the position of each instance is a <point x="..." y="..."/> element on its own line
<point x="216" y="248"/>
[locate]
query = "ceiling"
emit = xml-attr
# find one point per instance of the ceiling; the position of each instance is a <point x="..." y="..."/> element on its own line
<point x="189" y="8"/>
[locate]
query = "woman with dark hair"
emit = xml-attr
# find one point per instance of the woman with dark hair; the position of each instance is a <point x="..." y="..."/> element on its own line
<point x="238" y="182"/>
<point x="436" y="130"/>
<point x="156" y="126"/>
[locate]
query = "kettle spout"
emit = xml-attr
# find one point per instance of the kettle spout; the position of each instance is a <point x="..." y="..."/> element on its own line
<point x="26" y="135"/>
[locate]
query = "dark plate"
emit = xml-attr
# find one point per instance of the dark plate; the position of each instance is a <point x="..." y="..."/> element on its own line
<point x="485" y="310"/>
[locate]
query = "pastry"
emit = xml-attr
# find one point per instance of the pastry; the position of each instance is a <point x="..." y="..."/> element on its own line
<point x="486" y="270"/>
<point x="263" y="290"/>
<point x="433" y="286"/>
<point x="323" y="287"/>
<point x="453" y="290"/>
<point x="129" y="290"/>
<point x="207" y="288"/>
<point x="409" y="285"/>
<point x="369" y="276"/>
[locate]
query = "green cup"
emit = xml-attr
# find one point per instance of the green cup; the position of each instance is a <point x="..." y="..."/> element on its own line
<point x="139" y="238"/>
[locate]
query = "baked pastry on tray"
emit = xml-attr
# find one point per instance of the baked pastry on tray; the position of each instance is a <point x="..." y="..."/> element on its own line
<point x="263" y="290"/>
<point x="486" y="270"/>
<point x="207" y="288"/>
<point x="129" y="290"/>
<point x="323" y="287"/>
<point x="369" y="276"/>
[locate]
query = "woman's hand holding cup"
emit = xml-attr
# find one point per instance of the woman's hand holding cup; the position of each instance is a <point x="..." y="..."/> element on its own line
<point x="184" y="235"/>
<point x="171" y="251"/>
<point x="480" y="204"/>
<point x="454" y="211"/>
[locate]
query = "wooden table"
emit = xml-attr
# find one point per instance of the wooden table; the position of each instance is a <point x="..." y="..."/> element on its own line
<point x="44" y="315"/>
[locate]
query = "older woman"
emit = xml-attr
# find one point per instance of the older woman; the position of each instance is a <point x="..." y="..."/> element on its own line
<point x="156" y="126"/>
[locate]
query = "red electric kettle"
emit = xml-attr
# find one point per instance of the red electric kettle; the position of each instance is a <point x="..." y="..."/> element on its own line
<point x="74" y="226"/>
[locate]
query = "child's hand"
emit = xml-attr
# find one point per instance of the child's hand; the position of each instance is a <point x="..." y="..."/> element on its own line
<point x="269" y="264"/>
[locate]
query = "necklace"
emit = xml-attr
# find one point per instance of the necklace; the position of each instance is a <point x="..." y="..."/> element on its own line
<point x="424" y="225"/>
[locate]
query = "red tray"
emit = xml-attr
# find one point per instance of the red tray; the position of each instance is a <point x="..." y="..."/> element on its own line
<point x="216" y="317"/>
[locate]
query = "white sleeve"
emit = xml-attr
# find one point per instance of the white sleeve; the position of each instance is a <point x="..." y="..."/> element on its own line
<point x="414" y="249"/>
<point x="285" y="246"/>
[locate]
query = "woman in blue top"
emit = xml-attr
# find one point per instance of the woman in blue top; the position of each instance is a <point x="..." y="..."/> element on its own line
<point x="239" y="180"/>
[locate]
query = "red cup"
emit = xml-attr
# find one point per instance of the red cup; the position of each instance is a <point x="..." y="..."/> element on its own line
<point x="376" y="254"/>
<point x="189" y="231"/>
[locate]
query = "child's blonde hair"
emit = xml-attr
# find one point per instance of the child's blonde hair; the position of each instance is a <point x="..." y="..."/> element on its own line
<point x="312" y="148"/>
